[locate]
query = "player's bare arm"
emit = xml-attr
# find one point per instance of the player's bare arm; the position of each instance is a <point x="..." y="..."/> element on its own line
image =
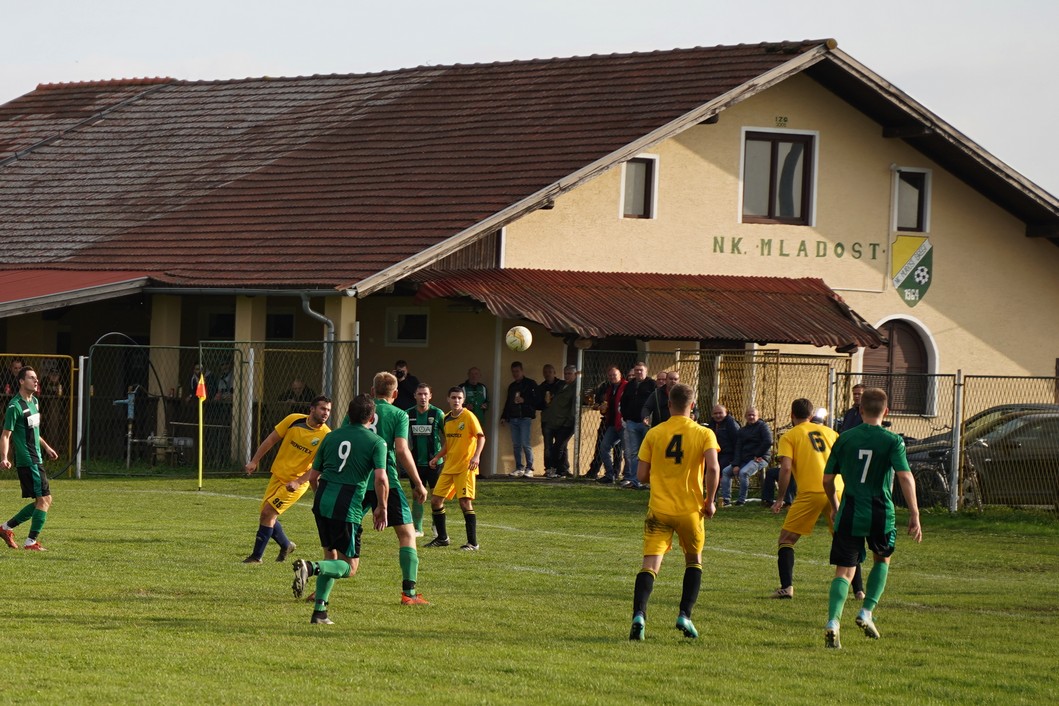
<point x="48" y="450"/>
<point x="266" y="446"/>
<point x="786" y="465"/>
<point x="643" y="472"/>
<point x="382" y="491"/>
<point x="476" y="459"/>
<point x="713" y="479"/>
<point x="5" y="446"/>
<point x="441" y="452"/>
<point x="908" y="488"/>
<point x="405" y="456"/>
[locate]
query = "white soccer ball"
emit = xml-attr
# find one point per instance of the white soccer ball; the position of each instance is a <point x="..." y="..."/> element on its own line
<point x="519" y="338"/>
<point x="820" y="415"/>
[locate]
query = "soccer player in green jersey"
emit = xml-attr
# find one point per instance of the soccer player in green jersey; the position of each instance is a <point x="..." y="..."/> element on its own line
<point x="475" y="394"/>
<point x="348" y="460"/>
<point x="22" y="424"/>
<point x="427" y="424"/>
<point x="391" y="424"/>
<point x="867" y="457"/>
<point x="676" y="457"/>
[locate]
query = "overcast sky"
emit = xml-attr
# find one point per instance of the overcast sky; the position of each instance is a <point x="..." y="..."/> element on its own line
<point x="985" y="66"/>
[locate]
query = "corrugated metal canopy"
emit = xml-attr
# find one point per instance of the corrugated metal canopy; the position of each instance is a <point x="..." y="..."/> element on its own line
<point x="26" y="291"/>
<point x="661" y="306"/>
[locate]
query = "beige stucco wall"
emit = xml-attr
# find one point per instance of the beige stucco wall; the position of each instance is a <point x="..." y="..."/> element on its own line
<point x="993" y="306"/>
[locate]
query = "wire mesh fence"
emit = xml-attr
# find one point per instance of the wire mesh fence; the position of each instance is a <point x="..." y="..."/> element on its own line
<point x="765" y="379"/>
<point x="143" y="416"/>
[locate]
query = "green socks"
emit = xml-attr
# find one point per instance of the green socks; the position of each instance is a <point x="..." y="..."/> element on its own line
<point x="39" y="517"/>
<point x="409" y="558"/>
<point x="876" y="585"/>
<point x="836" y="598"/>
<point x="417" y="515"/>
<point x="327" y="573"/>
<point x="23" y="515"/>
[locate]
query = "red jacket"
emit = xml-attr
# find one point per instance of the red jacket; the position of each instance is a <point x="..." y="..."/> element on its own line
<point x="613" y="399"/>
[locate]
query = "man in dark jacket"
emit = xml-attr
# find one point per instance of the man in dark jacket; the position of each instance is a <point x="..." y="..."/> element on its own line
<point x="557" y="421"/>
<point x="852" y="416"/>
<point x="638" y="390"/>
<point x="520" y="408"/>
<point x="753" y="448"/>
<point x="656" y="409"/>
<point x="725" y="428"/>
<point x="546" y="391"/>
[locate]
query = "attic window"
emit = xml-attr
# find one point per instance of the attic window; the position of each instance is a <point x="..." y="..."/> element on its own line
<point x="912" y="200"/>
<point x="639" y="188"/>
<point x="777" y="177"/>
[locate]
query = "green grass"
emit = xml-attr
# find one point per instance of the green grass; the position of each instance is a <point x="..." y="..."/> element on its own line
<point x="142" y="598"/>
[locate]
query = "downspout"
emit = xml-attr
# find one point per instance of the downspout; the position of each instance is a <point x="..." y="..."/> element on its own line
<point x="329" y="342"/>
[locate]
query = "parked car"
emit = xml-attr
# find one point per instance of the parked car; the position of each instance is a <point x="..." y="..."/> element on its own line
<point x="1009" y="460"/>
<point x="980" y="420"/>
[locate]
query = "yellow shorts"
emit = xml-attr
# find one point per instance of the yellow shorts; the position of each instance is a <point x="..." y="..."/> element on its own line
<point x="458" y="485"/>
<point x="804" y="512"/>
<point x="279" y="497"/>
<point x="658" y="533"/>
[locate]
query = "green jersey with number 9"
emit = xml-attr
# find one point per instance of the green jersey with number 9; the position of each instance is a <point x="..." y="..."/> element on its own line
<point x="347" y="460"/>
<point x="676" y="450"/>
<point x="866" y="456"/>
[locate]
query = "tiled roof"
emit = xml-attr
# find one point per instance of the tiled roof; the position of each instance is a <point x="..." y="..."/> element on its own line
<point x="661" y="306"/>
<point x="324" y="180"/>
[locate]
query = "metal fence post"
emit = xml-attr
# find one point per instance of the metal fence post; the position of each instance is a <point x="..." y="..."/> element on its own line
<point x="577" y="413"/>
<point x="81" y="362"/>
<point x="954" y="458"/>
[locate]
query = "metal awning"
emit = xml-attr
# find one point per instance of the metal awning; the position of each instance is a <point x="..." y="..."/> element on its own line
<point x="27" y="291"/>
<point x="662" y="306"/>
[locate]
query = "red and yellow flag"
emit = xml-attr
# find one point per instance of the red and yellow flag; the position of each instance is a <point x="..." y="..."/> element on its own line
<point x="200" y="389"/>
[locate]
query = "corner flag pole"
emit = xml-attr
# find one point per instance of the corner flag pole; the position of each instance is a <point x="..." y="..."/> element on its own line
<point x="200" y="392"/>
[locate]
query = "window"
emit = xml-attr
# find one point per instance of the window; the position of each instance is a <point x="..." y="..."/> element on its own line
<point x="911" y="201"/>
<point x="777" y="178"/>
<point x="900" y="369"/>
<point x="279" y="327"/>
<point x="638" y="201"/>
<point x="408" y="326"/>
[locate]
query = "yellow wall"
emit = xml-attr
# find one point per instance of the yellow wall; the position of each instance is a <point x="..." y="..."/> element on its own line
<point x="993" y="306"/>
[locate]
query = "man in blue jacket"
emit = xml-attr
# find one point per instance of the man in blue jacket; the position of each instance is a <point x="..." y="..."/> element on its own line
<point x="753" y="448"/>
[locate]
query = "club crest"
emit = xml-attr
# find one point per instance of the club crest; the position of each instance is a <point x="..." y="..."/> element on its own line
<point x="912" y="267"/>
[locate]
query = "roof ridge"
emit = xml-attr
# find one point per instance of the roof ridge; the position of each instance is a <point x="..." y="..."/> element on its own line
<point x="104" y="83"/>
<point x="772" y="47"/>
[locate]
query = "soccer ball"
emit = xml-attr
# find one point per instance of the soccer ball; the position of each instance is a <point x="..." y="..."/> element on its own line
<point x="519" y="338"/>
<point x="820" y="415"/>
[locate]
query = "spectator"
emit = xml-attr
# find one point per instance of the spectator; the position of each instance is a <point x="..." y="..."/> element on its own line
<point x="9" y="378"/>
<point x="407" y="384"/>
<point x="298" y="392"/>
<point x="546" y="391"/>
<point x="610" y="408"/>
<point x="656" y="410"/>
<point x="725" y="428"/>
<point x="768" y="489"/>
<point x="594" y="399"/>
<point x="475" y="394"/>
<point x="193" y="382"/>
<point x="225" y="382"/>
<point x="558" y="419"/>
<point x="753" y="449"/>
<point x="638" y="390"/>
<point x="852" y="416"/>
<point x="519" y="410"/>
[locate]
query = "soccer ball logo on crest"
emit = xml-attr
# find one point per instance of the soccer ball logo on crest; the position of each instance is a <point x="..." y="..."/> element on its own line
<point x="519" y="338"/>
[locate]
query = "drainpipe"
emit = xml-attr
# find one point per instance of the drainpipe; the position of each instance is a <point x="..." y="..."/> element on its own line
<point x="329" y="342"/>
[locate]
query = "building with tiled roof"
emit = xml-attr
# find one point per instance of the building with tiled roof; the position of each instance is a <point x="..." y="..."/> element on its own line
<point x="783" y="193"/>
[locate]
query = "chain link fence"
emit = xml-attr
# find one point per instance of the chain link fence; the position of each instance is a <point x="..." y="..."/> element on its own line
<point x="142" y="412"/>
<point x="765" y="379"/>
<point x="974" y="440"/>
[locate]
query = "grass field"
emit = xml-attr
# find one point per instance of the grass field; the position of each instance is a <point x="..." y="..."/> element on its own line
<point x="142" y="598"/>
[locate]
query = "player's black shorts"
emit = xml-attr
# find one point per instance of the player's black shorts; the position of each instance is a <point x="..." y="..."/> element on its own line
<point x="428" y="475"/>
<point x="34" y="481"/>
<point x="397" y="510"/>
<point x="339" y="535"/>
<point x="847" y="550"/>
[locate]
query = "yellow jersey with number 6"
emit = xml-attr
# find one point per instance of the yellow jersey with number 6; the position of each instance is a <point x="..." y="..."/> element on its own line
<point x="808" y="446"/>
<point x="676" y="450"/>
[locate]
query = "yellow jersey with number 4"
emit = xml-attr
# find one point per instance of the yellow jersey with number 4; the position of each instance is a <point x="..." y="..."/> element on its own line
<point x="676" y="450"/>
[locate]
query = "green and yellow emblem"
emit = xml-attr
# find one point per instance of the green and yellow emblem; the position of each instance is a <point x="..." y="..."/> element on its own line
<point x="912" y="263"/>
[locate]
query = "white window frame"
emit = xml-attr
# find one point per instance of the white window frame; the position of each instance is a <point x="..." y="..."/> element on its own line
<point x="815" y="134"/>
<point x="656" y="161"/>
<point x="928" y="189"/>
<point x="393" y="315"/>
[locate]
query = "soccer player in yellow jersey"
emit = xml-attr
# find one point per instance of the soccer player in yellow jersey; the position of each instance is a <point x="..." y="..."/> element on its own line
<point x="803" y="453"/>
<point x="672" y="459"/>
<point x="462" y="450"/>
<point x="301" y="435"/>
